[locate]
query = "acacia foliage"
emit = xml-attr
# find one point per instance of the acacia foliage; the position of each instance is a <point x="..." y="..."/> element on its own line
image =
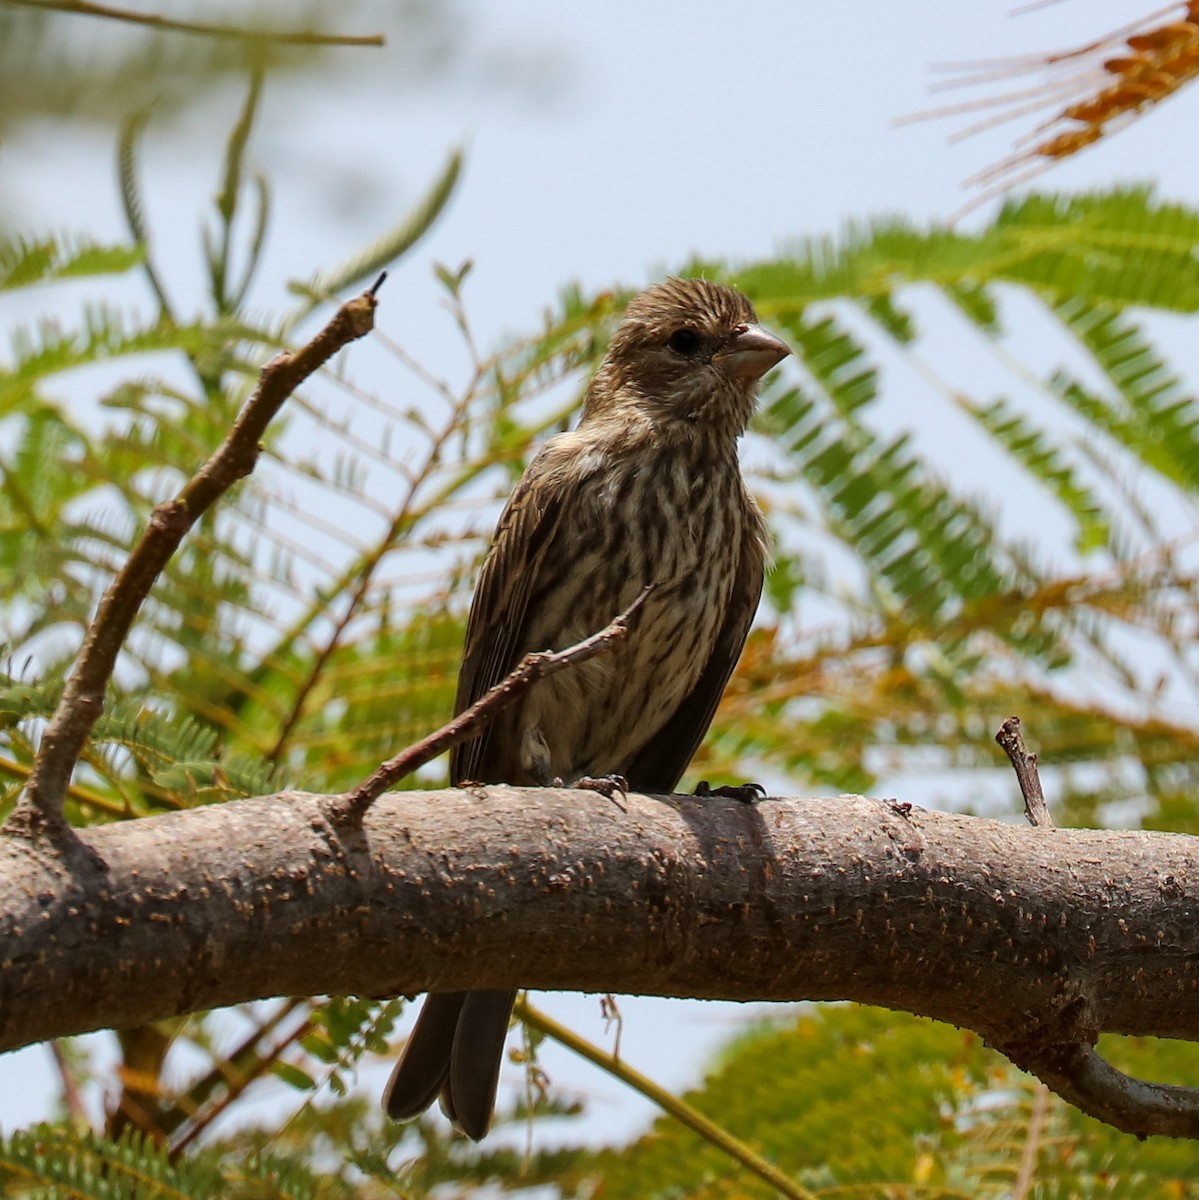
<point x="906" y="614"/>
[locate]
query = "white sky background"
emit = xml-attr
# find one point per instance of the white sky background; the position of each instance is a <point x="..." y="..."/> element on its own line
<point x="642" y="133"/>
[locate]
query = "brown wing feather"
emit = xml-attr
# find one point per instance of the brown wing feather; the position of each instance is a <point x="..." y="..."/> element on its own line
<point x="659" y="764"/>
<point x="494" y="641"/>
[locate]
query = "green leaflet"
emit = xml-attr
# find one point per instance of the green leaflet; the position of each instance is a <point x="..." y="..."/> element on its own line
<point x="53" y="1161"/>
<point x="50" y="1161"/>
<point x="1044" y="460"/>
<point x="45" y="349"/>
<point x="1120" y="248"/>
<point x="854" y="1100"/>
<point x="1150" y="414"/>
<point x="386" y="249"/>
<point x="28" y="261"/>
<point x="183" y="759"/>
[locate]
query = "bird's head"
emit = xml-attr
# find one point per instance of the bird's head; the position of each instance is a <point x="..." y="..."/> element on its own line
<point x="688" y="353"/>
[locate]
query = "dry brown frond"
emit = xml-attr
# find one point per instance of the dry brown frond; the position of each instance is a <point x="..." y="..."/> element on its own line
<point x="1103" y="86"/>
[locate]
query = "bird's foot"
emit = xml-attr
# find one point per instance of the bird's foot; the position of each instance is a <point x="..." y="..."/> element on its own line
<point x="609" y="786"/>
<point x="476" y="789"/>
<point x="747" y="793"/>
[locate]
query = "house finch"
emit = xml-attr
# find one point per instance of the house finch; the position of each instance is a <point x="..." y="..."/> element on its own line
<point x="647" y="490"/>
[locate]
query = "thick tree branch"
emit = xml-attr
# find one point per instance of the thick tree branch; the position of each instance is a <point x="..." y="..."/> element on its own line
<point x="1038" y="943"/>
<point x="41" y="804"/>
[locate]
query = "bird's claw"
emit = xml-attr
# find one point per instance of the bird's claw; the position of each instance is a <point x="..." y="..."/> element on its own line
<point x="607" y="785"/>
<point x="747" y="793"/>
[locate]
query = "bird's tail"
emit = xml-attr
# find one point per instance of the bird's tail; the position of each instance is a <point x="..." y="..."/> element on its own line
<point x="455" y="1051"/>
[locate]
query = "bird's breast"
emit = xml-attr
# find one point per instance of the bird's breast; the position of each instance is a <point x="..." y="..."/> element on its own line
<point x="679" y="529"/>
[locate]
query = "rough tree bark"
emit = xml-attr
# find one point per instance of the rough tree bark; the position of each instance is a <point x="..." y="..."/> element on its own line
<point x="1039" y="939"/>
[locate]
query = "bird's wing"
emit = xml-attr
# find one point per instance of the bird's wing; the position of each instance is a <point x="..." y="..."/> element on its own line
<point x="494" y="641"/>
<point x="660" y="763"/>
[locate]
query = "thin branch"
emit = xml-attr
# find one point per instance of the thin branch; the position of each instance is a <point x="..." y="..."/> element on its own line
<point x="154" y="21"/>
<point x="1078" y="1074"/>
<point x="233" y="1070"/>
<point x="694" y="1120"/>
<point x="83" y="697"/>
<point x="351" y="807"/>
<point x="237" y="1084"/>
<point x="1011" y="741"/>
<point x="71" y="1096"/>
<point x="367" y="564"/>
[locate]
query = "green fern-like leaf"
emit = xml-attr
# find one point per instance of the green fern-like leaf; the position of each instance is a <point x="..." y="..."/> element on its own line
<point x="976" y="302"/>
<point x="348" y="1029"/>
<point x="837" y="1098"/>
<point x="386" y="249"/>
<point x="24" y="262"/>
<point x="857" y="1101"/>
<point x="928" y="548"/>
<point x="50" y="1161"/>
<point x="837" y="360"/>
<point x="181" y="758"/>
<point x="1119" y="248"/>
<point x="1043" y="460"/>
<point x="1151" y="415"/>
<point x="47" y="349"/>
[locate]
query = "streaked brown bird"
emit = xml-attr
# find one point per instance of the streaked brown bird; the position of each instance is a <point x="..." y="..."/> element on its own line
<point x="647" y="489"/>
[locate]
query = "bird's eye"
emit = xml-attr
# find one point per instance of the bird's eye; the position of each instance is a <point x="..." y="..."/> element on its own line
<point x="684" y="341"/>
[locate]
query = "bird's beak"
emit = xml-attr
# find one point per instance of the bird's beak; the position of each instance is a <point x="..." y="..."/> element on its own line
<point x="751" y="353"/>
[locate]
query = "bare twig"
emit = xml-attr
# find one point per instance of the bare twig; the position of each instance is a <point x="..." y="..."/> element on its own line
<point x="1011" y="740"/>
<point x="352" y="806"/>
<point x="72" y="1098"/>
<point x="233" y="1070"/>
<point x="83" y="697"/>
<point x="613" y="1019"/>
<point x="366" y="567"/>
<point x="154" y="21"/>
<point x="694" y="1120"/>
<point x="238" y="1080"/>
